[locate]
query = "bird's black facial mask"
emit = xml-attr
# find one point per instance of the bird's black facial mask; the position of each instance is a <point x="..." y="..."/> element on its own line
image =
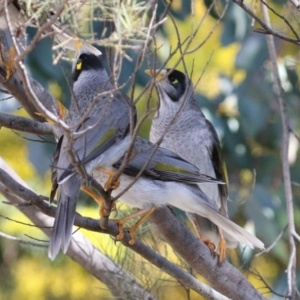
<point x="177" y="80"/>
<point x="86" y="62"/>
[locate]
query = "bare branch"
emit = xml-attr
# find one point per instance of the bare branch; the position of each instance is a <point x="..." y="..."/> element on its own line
<point x="291" y="270"/>
<point x="223" y="277"/>
<point x="40" y="32"/>
<point x="281" y="17"/>
<point x="296" y="3"/>
<point x="266" y="28"/>
<point x="13" y="238"/>
<point x="81" y="250"/>
<point x="25" y="125"/>
<point x="267" y="250"/>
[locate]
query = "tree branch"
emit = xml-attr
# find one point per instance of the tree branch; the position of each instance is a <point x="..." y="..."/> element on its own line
<point x="81" y="249"/>
<point x="224" y="278"/>
<point x="291" y="270"/>
<point x="267" y="28"/>
<point x="15" y="86"/>
<point x="25" y="125"/>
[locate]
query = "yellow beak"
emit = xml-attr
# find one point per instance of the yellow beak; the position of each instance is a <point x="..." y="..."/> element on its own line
<point x="157" y="74"/>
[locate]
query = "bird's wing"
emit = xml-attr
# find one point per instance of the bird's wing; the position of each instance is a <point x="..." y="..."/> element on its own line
<point x="163" y="165"/>
<point x="99" y="134"/>
<point x="219" y="167"/>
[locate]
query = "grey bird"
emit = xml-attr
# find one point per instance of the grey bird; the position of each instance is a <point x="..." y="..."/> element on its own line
<point x="186" y="131"/>
<point x="99" y="119"/>
<point x="168" y="179"/>
<point x="99" y="124"/>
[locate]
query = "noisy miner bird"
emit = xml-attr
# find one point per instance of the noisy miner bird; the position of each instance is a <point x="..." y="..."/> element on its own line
<point x="100" y="123"/>
<point x="168" y="179"/>
<point x="186" y="131"/>
<point x="99" y="119"/>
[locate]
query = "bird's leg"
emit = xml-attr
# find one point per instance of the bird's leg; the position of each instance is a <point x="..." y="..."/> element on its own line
<point x="109" y="185"/>
<point x="99" y="200"/>
<point x="144" y="213"/>
<point x="207" y="242"/>
<point x="134" y="227"/>
<point x="221" y="250"/>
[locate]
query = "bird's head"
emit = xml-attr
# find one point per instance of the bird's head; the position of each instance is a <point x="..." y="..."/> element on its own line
<point x="86" y="59"/>
<point x="173" y="86"/>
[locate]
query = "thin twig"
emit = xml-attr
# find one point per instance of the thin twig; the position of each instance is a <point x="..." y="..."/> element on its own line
<point x="291" y="270"/>
<point x="13" y="238"/>
<point x="281" y="17"/>
<point x="267" y="28"/>
<point x="267" y="250"/>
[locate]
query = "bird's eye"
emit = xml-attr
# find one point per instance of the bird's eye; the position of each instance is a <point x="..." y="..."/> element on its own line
<point x="173" y="79"/>
<point x="79" y="65"/>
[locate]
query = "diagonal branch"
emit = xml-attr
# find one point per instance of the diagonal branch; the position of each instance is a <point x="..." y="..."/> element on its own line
<point x="225" y="278"/>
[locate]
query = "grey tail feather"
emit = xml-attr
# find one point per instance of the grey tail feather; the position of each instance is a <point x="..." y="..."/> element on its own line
<point x="234" y="231"/>
<point x="209" y="230"/>
<point x="64" y="217"/>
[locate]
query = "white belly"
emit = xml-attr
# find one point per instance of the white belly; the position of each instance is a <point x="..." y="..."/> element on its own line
<point x="145" y="193"/>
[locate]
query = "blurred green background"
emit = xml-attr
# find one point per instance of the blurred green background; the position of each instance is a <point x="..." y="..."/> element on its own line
<point x="235" y="92"/>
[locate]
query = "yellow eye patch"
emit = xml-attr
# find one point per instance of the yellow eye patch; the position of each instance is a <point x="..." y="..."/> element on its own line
<point x="173" y="80"/>
<point x="79" y="65"/>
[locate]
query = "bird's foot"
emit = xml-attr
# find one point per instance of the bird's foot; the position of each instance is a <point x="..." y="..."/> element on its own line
<point x="132" y="230"/>
<point x="102" y="211"/>
<point x="120" y="224"/>
<point x="110" y="184"/>
<point x="209" y="244"/>
<point x="221" y="250"/>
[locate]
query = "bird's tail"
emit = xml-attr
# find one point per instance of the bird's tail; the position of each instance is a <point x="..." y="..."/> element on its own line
<point x="64" y="217"/>
<point x="231" y="230"/>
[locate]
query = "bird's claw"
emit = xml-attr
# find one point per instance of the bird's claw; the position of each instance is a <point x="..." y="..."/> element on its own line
<point x="209" y="244"/>
<point x="131" y="230"/>
<point x="221" y="250"/>
<point x="103" y="211"/>
<point x="109" y="185"/>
